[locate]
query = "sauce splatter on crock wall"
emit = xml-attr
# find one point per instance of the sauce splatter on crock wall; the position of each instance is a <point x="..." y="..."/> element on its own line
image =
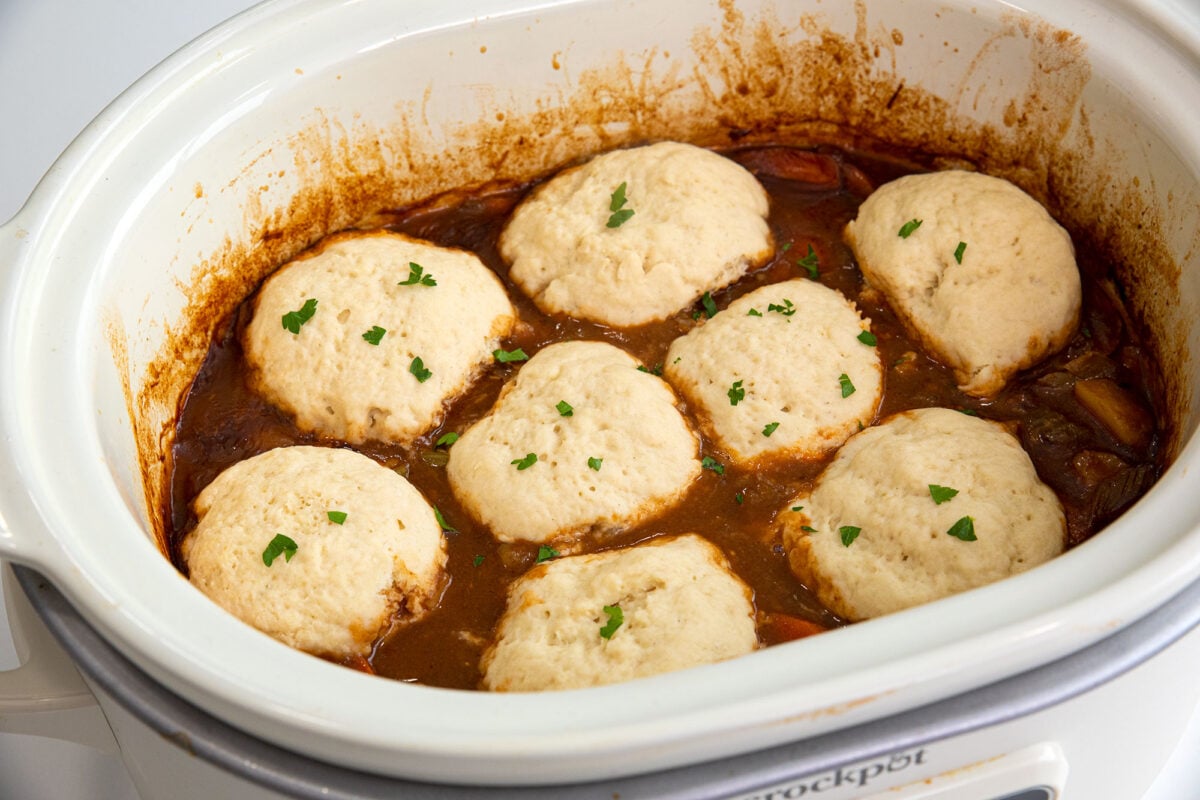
<point x="770" y="77"/>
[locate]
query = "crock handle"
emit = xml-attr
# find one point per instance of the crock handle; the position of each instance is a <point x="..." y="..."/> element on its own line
<point x="20" y="540"/>
<point x="45" y="696"/>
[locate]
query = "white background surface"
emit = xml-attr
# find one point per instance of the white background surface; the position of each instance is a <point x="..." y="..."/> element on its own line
<point x="61" y="62"/>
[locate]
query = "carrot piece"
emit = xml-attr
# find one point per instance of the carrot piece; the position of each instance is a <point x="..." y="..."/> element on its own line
<point x="786" y="628"/>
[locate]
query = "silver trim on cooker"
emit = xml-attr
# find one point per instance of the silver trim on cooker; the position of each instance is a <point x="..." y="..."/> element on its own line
<point x="290" y="774"/>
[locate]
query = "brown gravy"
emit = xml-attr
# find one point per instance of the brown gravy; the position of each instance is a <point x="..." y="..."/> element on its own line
<point x="1095" y="472"/>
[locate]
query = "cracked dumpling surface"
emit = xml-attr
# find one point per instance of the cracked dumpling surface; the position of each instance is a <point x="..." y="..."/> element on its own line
<point x="618" y="450"/>
<point x="873" y="534"/>
<point x="976" y="269"/>
<point x="398" y="327"/>
<point x="698" y="222"/>
<point x="680" y="605"/>
<point x="379" y="557"/>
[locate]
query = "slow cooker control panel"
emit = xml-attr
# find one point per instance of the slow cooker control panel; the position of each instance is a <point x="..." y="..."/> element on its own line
<point x="1038" y="772"/>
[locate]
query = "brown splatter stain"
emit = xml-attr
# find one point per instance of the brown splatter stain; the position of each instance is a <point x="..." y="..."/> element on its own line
<point x="749" y="80"/>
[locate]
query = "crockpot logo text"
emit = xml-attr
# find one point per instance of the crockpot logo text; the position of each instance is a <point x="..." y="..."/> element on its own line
<point x="859" y="775"/>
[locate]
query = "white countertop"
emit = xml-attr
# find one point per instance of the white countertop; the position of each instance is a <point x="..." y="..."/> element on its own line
<point x="61" y="62"/>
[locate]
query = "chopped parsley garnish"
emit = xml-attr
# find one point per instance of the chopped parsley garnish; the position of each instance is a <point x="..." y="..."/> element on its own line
<point x="941" y="494"/>
<point x="739" y="498"/>
<point x="710" y="305"/>
<point x="655" y="370"/>
<point x="279" y="546"/>
<point x="907" y="228"/>
<point x="867" y="338"/>
<point x="847" y="386"/>
<point x="417" y="276"/>
<point x="786" y="246"/>
<point x="970" y="412"/>
<point x="849" y="533"/>
<point x="441" y="521"/>
<point x="509" y="356"/>
<point x="963" y="529"/>
<point x="375" y="335"/>
<point x="958" y="251"/>
<point x="477" y="560"/>
<point x="525" y="463"/>
<point x="808" y="529"/>
<point x="754" y="312"/>
<point x="797" y="508"/>
<point x="615" y="619"/>
<point x="616" y="204"/>
<point x="292" y="320"/>
<point x="417" y="368"/>
<point x="769" y="428"/>
<point x="336" y="517"/>
<point x="811" y="263"/>
<point x="708" y="462"/>
<point x="736" y="393"/>
<point x="545" y="553"/>
<point x="595" y="463"/>
<point x="446" y="439"/>
<point x="787" y="309"/>
<point x="564" y="408"/>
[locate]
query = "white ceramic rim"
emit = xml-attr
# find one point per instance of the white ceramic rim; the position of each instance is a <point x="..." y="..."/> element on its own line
<point x="61" y="522"/>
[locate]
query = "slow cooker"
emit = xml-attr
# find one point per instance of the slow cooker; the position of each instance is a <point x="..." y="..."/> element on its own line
<point x="276" y="128"/>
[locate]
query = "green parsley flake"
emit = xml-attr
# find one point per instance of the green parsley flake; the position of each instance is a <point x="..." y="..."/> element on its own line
<point x="446" y="439"/>
<point x="279" y="546"/>
<point x="417" y="276"/>
<point x="808" y="529"/>
<point x="655" y="370"/>
<point x="477" y="560"/>
<point x="849" y="533"/>
<point x="708" y="462"/>
<point x="867" y="338"/>
<point x="787" y="309"/>
<point x="525" y="463"/>
<point x="754" y="312"/>
<point x="564" y="408"/>
<point x="797" y="508"/>
<point x="336" y="517"/>
<point x="710" y="305"/>
<point x="941" y="494"/>
<point x="786" y="246"/>
<point x="615" y="619"/>
<point x="620" y="215"/>
<point x="907" y="228"/>
<point x="375" y="335"/>
<point x="740" y="498"/>
<point x="292" y="320"/>
<point x="769" y="428"/>
<point x="963" y="529"/>
<point x="509" y="356"/>
<point x="417" y="368"/>
<point x="811" y="263"/>
<point x="441" y="521"/>
<point x="545" y="553"/>
<point x="595" y="463"/>
<point x="847" y="386"/>
<point x="736" y="393"/>
<point x="958" y="251"/>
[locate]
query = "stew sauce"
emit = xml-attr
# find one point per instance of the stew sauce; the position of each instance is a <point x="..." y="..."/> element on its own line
<point x="1088" y="416"/>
